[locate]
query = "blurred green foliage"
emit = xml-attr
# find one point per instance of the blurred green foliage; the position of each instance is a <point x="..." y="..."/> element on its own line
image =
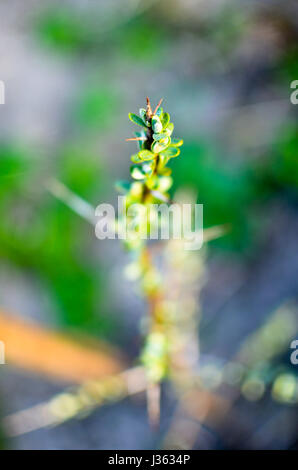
<point x="287" y="71"/>
<point x="284" y="164"/>
<point x="38" y="232"/>
<point x="142" y="40"/>
<point x="72" y="31"/>
<point x="61" y="28"/>
<point x="96" y="107"/>
<point x="227" y="193"/>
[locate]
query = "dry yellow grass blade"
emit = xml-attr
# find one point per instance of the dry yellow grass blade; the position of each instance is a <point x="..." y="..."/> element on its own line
<point x="54" y="355"/>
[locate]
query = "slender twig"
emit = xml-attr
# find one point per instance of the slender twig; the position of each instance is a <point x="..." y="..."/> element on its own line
<point x="158" y="105"/>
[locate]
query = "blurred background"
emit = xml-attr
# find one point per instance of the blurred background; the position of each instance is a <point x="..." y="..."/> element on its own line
<point x="72" y="70"/>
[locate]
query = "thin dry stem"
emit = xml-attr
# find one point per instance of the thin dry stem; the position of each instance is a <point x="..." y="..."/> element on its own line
<point x="148" y="109"/>
<point x="153" y="404"/>
<point x="136" y="138"/>
<point x="159" y="103"/>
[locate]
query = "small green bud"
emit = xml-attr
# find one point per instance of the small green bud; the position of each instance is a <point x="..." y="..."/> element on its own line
<point x="142" y="113"/>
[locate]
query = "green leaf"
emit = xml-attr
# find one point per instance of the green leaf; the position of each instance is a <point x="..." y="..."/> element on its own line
<point x="136" y="159"/>
<point x="177" y="142"/>
<point x="171" y="152"/>
<point x="160" y="136"/>
<point x="156" y="124"/>
<point x="159" y="111"/>
<point x="122" y="186"/>
<point x="159" y="146"/>
<point x="136" y="119"/>
<point x="169" y="129"/>
<point x="137" y="172"/>
<point x="165" y="119"/>
<point x="146" y="155"/>
<point x="142" y="113"/>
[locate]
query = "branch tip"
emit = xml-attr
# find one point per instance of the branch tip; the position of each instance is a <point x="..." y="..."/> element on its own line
<point x="148" y="109"/>
<point x="159" y="103"/>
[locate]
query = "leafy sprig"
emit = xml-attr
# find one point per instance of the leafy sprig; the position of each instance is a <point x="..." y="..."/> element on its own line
<point x="151" y="183"/>
<point x="156" y="148"/>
